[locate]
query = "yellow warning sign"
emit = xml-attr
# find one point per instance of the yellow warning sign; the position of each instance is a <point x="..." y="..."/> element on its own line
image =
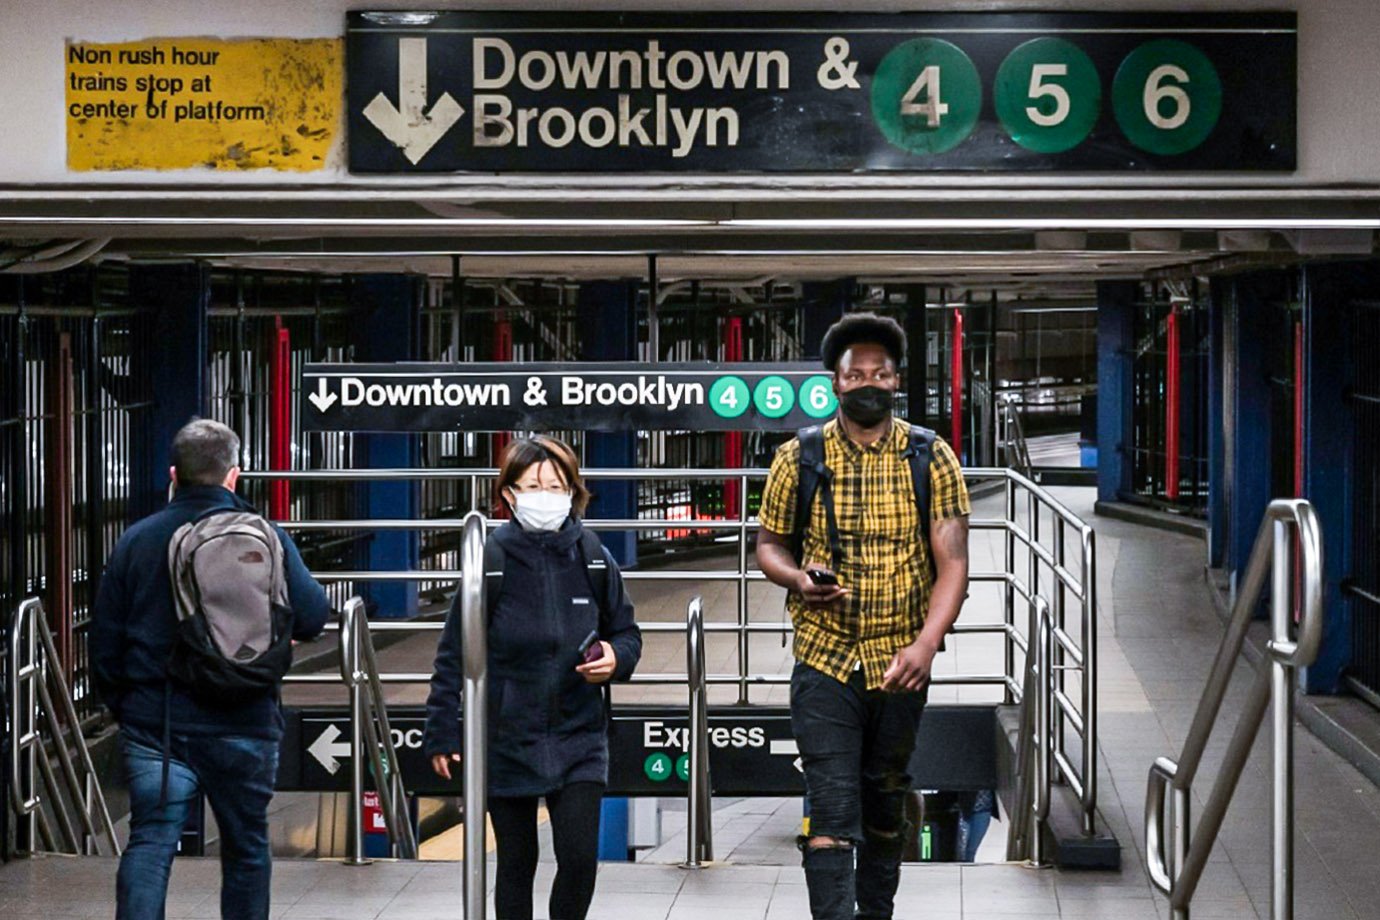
<point x="177" y="103"/>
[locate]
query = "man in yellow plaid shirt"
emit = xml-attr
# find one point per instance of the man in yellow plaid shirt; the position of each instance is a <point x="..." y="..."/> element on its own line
<point x="871" y="604"/>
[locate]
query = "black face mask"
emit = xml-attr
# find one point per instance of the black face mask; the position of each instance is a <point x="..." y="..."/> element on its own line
<point x="867" y="406"/>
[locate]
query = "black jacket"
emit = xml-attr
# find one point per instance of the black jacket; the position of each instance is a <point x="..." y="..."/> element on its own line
<point x="134" y="622"/>
<point x="546" y="722"/>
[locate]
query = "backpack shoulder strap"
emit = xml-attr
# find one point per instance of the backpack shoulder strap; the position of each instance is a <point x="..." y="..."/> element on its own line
<point x="495" y="560"/>
<point x="919" y="452"/>
<point x="596" y="568"/>
<point x="814" y="475"/>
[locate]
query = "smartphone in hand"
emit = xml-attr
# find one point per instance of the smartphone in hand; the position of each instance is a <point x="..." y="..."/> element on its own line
<point x="822" y="578"/>
<point x="591" y="649"/>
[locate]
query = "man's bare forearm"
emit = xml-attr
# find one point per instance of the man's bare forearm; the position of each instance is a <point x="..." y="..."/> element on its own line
<point x="776" y="561"/>
<point x="950" y="550"/>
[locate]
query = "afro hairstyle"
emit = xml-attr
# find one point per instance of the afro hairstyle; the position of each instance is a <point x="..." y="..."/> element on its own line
<point x="856" y="328"/>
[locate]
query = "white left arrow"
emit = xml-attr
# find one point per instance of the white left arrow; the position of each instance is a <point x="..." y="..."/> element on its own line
<point x="321" y="399"/>
<point x="408" y="126"/>
<point x="326" y="750"/>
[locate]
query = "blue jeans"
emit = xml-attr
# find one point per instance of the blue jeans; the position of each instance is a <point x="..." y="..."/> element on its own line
<point x="855" y="745"/>
<point x="236" y="774"/>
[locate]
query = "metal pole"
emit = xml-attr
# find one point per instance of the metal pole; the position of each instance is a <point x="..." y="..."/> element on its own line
<point x="349" y="638"/>
<point x="1010" y="589"/>
<point x="1282" y="698"/>
<point x="742" y="591"/>
<point x="476" y="649"/>
<point x="653" y="318"/>
<point x="1090" y="676"/>
<point x="692" y="802"/>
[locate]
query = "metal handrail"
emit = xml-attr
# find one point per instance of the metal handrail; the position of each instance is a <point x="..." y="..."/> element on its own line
<point x="371" y="734"/>
<point x="1035" y="747"/>
<point x="1015" y="452"/>
<point x="32" y="652"/>
<point x="700" y="827"/>
<point x="474" y="635"/>
<point x="1075" y="713"/>
<point x="1176" y="865"/>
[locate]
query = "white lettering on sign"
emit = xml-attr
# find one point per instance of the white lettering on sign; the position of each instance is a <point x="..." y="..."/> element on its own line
<point x="661" y="735"/>
<point x="356" y="392"/>
<point x="656" y="392"/>
<point x="497" y="65"/>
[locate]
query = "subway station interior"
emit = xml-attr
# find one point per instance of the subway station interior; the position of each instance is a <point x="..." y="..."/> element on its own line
<point x="1158" y="380"/>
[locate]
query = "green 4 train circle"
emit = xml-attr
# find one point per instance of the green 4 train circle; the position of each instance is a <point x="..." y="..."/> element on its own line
<point x="927" y="96"/>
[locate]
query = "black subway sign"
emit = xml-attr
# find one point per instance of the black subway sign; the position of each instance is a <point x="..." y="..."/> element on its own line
<point x="806" y="92"/>
<point x="544" y="397"/>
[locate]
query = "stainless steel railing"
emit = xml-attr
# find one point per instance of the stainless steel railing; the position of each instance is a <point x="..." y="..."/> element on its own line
<point x="1175" y="857"/>
<point x="700" y="827"/>
<point x="371" y="735"/>
<point x="475" y="636"/>
<point x="1035" y="747"/>
<point x="33" y="667"/>
<point x="1048" y="552"/>
<point x="1013" y="451"/>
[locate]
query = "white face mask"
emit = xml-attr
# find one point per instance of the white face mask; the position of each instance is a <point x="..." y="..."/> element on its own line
<point x="542" y="510"/>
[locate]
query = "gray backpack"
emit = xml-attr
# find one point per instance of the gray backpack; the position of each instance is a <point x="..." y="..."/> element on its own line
<point x="234" y="626"/>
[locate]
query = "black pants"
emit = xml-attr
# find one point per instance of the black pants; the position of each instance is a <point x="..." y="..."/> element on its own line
<point x="574" y="814"/>
<point x="855" y="745"/>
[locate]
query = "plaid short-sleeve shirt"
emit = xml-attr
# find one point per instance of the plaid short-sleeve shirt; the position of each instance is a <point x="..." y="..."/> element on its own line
<point x="885" y="560"/>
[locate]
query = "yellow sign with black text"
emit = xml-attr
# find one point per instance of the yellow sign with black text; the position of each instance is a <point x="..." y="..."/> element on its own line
<point x="179" y="103"/>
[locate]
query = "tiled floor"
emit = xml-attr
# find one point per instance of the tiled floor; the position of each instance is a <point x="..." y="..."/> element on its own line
<point x="1157" y="636"/>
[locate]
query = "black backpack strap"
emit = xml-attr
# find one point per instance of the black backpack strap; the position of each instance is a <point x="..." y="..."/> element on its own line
<point x="495" y="560"/>
<point x="597" y="571"/>
<point x="919" y="452"/>
<point x="814" y="477"/>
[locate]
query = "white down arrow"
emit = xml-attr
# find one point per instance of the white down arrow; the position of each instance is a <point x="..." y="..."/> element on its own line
<point x="326" y="750"/>
<point x="408" y="125"/>
<point x="321" y="399"/>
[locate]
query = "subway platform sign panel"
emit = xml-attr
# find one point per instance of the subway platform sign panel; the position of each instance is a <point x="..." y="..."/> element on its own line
<point x="819" y="92"/>
<point x="545" y="397"/>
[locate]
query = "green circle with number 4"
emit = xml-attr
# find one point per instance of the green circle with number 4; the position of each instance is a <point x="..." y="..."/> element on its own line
<point x="728" y="397"/>
<point x="926" y="96"/>
<point x="657" y="767"/>
<point x="1167" y="97"/>
<point x="817" y="398"/>
<point x="683" y="767"/>
<point x="774" y="397"/>
<point x="1047" y="95"/>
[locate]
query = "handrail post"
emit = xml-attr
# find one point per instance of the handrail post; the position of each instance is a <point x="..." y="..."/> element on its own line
<point x="1282" y="708"/>
<point x="350" y="671"/>
<point x="1010" y="589"/>
<point x="699" y="826"/>
<point x="474" y="631"/>
<point x="743" y="645"/>
<point x="1090" y="678"/>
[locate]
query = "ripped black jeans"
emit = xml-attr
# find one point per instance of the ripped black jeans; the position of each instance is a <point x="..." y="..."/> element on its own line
<point x="855" y="745"/>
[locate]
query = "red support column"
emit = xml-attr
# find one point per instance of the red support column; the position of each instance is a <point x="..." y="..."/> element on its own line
<point x="1171" y="406"/>
<point x="280" y="420"/>
<point x="956" y="384"/>
<point x="733" y="440"/>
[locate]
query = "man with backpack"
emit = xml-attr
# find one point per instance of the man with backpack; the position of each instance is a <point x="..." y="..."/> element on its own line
<point x="864" y="521"/>
<point x="191" y="634"/>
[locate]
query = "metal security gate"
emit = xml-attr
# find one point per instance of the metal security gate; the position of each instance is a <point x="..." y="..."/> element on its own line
<point x="1169" y="452"/>
<point x="75" y="450"/>
<point x="262" y="328"/>
<point x="1363" y="586"/>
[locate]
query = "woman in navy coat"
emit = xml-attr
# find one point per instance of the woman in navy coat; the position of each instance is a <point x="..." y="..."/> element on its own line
<point x="548" y="733"/>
